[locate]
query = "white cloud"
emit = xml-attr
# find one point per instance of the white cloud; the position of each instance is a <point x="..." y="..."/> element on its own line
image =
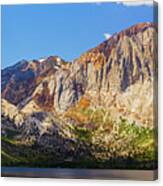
<point x="107" y="35"/>
<point x="136" y="3"/>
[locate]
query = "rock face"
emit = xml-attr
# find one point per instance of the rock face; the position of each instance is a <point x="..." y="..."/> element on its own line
<point x="20" y="80"/>
<point x="98" y="107"/>
<point x="12" y="112"/>
<point x="110" y="74"/>
<point x="122" y="60"/>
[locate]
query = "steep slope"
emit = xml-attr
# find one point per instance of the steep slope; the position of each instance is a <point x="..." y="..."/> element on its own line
<point x="98" y="109"/>
<point x="107" y="74"/>
<point x="11" y="112"/>
<point x="124" y="59"/>
<point x="19" y="81"/>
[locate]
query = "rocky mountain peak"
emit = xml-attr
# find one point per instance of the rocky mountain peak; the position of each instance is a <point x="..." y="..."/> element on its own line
<point x="127" y="55"/>
<point x="118" y="66"/>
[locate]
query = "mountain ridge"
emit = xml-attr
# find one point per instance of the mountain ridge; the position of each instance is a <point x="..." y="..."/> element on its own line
<point x="95" y="112"/>
<point x="109" y="69"/>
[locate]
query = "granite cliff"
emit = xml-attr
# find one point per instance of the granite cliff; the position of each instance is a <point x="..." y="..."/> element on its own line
<point x="76" y="107"/>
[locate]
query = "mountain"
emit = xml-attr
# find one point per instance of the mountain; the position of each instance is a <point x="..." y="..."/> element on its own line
<point x="81" y="105"/>
<point x="122" y="66"/>
<point x="20" y="80"/>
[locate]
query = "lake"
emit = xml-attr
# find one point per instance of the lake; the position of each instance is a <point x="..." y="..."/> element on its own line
<point x="78" y="173"/>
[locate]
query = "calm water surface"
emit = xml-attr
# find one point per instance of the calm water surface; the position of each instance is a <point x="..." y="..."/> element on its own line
<point x="78" y="173"/>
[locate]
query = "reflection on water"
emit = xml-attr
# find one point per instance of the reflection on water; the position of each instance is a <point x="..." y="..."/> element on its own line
<point x="79" y="173"/>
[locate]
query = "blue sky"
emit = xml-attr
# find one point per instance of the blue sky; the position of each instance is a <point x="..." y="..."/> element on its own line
<point x="67" y="30"/>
